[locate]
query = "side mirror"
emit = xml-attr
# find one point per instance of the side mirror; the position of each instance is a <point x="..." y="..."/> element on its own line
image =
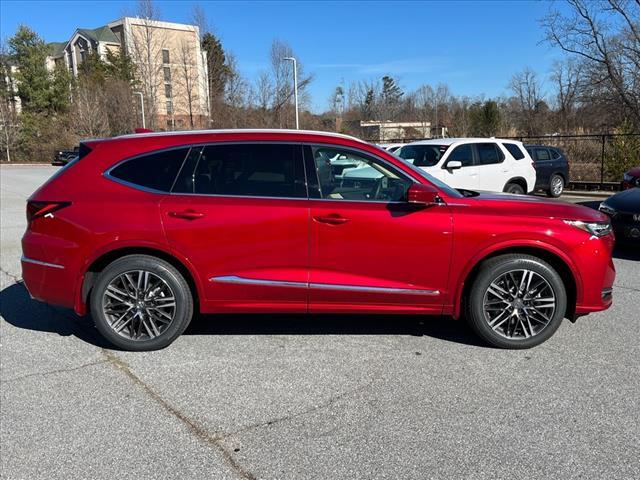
<point x="422" y="194"/>
<point x="453" y="165"/>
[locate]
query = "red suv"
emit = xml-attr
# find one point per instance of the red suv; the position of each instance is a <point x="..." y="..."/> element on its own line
<point x="144" y="230"/>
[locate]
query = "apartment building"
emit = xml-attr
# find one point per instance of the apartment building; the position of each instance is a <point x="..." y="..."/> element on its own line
<point x="171" y="67"/>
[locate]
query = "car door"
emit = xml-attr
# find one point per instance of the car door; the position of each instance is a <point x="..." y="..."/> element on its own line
<point x="493" y="171"/>
<point x="370" y="249"/>
<point x="240" y="214"/>
<point x="544" y="166"/>
<point x="465" y="177"/>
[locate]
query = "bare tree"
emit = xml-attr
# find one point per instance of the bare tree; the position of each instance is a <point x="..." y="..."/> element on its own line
<point x="567" y="77"/>
<point x="282" y="83"/>
<point x="188" y="77"/>
<point x="9" y="118"/>
<point x="606" y="36"/>
<point x="527" y="90"/>
<point x="147" y="42"/>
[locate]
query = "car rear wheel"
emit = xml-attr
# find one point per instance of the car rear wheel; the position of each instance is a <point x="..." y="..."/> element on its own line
<point x="514" y="188"/>
<point x="556" y="186"/>
<point x="140" y="303"/>
<point x="516" y="301"/>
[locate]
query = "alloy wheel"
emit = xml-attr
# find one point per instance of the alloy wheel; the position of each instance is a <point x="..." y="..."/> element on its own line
<point x="556" y="186"/>
<point x="519" y="304"/>
<point x="138" y="305"/>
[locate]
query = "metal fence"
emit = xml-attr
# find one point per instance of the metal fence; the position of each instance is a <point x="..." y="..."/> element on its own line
<point x="596" y="161"/>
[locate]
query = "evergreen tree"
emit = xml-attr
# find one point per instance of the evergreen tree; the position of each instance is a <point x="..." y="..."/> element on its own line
<point x="217" y="66"/>
<point x="485" y="119"/>
<point x="35" y="83"/>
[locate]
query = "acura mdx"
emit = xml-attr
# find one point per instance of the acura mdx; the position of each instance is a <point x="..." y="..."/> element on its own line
<point x="142" y="231"/>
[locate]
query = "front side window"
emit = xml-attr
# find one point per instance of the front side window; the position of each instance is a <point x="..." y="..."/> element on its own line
<point x="422" y="155"/>
<point x="365" y="179"/>
<point x="156" y="170"/>
<point x="252" y="170"/>
<point x="489" y="153"/>
<point x="515" y="151"/>
<point x="462" y="153"/>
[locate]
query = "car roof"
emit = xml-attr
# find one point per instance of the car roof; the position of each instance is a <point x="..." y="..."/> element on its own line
<point x="256" y="131"/>
<point x="451" y="141"/>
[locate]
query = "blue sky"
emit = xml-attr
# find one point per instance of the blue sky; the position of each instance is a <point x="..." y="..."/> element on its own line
<point x="472" y="46"/>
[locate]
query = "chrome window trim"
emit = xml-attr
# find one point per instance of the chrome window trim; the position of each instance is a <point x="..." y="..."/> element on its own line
<point x="38" y="262"/>
<point x="135" y="186"/>
<point x="234" y="279"/>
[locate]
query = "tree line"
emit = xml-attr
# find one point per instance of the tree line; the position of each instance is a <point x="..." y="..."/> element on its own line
<point x="595" y="88"/>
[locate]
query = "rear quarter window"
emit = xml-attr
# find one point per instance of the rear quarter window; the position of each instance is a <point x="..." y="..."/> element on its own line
<point x="515" y="150"/>
<point x="156" y="171"/>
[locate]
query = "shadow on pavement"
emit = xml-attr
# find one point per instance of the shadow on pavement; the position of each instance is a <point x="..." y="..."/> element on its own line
<point x="443" y="328"/>
<point x="18" y="309"/>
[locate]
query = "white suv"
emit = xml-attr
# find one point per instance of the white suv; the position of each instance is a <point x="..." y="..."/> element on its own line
<point x="474" y="163"/>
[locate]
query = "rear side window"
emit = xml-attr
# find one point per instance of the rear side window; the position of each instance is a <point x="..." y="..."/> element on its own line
<point x="515" y="151"/>
<point x="252" y="170"/>
<point x="156" y="171"/>
<point x="542" y="154"/>
<point x="489" y="153"/>
<point x="462" y="153"/>
<point x="554" y="153"/>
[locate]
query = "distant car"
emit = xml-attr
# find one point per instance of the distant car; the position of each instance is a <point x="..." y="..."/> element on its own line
<point x="552" y="169"/>
<point x="63" y="157"/>
<point x="624" y="210"/>
<point x="474" y="163"/>
<point x="391" y="147"/>
<point x="631" y="178"/>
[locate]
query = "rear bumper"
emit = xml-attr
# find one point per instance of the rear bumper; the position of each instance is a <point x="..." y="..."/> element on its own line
<point x="48" y="282"/>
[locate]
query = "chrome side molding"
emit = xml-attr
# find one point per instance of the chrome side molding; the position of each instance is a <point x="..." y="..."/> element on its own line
<point x="38" y="262"/>
<point x="320" y="286"/>
<point x="254" y="281"/>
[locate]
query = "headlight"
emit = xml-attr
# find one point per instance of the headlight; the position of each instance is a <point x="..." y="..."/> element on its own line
<point x="627" y="177"/>
<point x="598" y="229"/>
<point x="604" y="208"/>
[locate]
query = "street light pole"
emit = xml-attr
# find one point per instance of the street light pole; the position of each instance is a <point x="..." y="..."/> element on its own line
<point x="141" y="107"/>
<point x="295" y="86"/>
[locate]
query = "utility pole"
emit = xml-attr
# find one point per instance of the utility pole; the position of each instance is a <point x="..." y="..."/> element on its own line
<point x="141" y="107"/>
<point x="295" y="86"/>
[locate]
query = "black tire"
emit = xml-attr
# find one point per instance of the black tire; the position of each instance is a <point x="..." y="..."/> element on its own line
<point x="174" y="281"/>
<point x="514" y="188"/>
<point x="556" y="186"/>
<point x="493" y="269"/>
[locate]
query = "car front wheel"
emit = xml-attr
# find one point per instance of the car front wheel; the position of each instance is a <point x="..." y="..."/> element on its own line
<point x="516" y="301"/>
<point x="140" y="303"/>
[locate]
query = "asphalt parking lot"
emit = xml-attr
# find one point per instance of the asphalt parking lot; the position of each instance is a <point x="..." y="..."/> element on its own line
<point x="296" y="397"/>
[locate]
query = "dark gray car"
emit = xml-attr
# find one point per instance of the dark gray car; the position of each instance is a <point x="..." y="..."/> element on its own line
<point x="552" y="169"/>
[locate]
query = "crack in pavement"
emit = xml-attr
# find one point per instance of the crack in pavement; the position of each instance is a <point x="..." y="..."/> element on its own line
<point x="51" y="372"/>
<point x="328" y="403"/>
<point x="633" y="289"/>
<point x="15" y="278"/>
<point x="200" y="432"/>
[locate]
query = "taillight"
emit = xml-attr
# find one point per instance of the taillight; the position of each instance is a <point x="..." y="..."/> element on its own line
<point x="40" y="209"/>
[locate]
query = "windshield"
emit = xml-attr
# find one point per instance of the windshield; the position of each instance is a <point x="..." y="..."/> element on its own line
<point x="451" y="192"/>
<point x="422" y="155"/>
